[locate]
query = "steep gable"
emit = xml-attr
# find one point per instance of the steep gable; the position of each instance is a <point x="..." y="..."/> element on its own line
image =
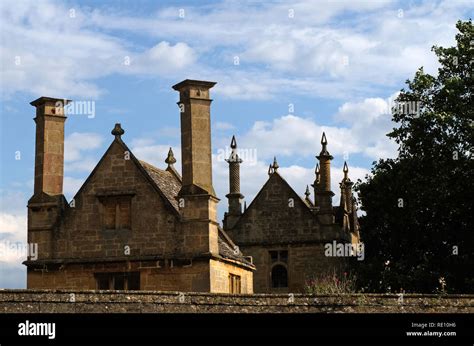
<point x="164" y="183"/>
<point x="277" y="213"/>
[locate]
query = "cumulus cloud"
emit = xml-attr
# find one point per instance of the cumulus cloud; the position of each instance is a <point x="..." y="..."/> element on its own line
<point x="162" y="58"/>
<point x="13" y="226"/>
<point x="370" y="120"/>
<point x="306" y="47"/>
<point x="13" y="229"/>
<point x="44" y="44"/>
<point x="71" y="186"/>
<point x="147" y="150"/>
<point x="77" y="142"/>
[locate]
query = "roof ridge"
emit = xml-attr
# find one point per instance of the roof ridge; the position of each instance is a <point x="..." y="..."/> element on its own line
<point x="151" y="166"/>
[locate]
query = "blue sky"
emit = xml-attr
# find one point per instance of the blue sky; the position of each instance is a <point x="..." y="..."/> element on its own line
<point x="338" y="64"/>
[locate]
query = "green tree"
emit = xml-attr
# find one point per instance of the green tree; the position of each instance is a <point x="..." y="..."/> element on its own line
<point x="418" y="226"/>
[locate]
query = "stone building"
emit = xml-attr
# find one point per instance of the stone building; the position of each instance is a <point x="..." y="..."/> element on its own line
<point x="132" y="225"/>
<point x="286" y="234"/>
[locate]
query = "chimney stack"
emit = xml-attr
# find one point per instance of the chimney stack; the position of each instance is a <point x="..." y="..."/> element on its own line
<point x="194" y="103"/>
<point x="49" y="152"/>
<point x="197" y="198"/>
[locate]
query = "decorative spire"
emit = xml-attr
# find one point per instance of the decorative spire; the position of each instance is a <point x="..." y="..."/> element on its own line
<point x="117" y="131"/>
<point x="270" y="170"/>
<point x="170" y="160"/>
<point x="346" y="178"/>
<point x="307" y="193"/>
<point x="324" y="150"/>
<point x="275" y="164"/>
<point x="233" y="143"/>
<point x="234" y="157"/>
<point x="316" y="171"/>
<point x="346" y="171"/>
<point x="324" y="140"/>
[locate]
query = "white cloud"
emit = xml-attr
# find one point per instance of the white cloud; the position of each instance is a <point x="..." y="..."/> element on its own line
<point x="304" y="54"/>
<point x="370" y="121"/>
<point x="13" y="231"/>
<point x="147" y="150"/>
<point x="298" y="177"/>
<point x="71" y="186"/>
<point x="86" y="164"/>
<point x="220" y="125"/>
<point x="293" y="135"/>
<point x="77" y="142"/>
<point x="13" y="226"/>
<point x="46" y="51"/>
<point x="163" y="58"/>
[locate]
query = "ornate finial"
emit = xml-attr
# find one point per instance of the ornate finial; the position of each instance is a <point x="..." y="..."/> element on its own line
<point x="233" y="143"/>
<point x="345" y="170"/>
<point x="234" y="157"/>
<point x="307" y="193"/>
<point x="117" y="131"/>
<point x="170" y="160"/>
<point x="324" y="141"/>
<point x="270" y="170"/>
<point x="275" y="164"/>
<point x="324" y="150"/>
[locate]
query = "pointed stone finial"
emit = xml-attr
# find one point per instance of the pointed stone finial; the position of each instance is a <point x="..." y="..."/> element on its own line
<point x="324" y="150"/>
<point x="275" y="164"/>
<point x="233" y="143"/>
<point x="234" y="157"/>
<point x="317" y="173"/>
<point x="270" y="170"/>
<point x="170" y="160"/>
<point x="307" y="193"/>
<point x="345" y="170"/>
<point x="324" y="141"/>
<point x="118" y="131"/>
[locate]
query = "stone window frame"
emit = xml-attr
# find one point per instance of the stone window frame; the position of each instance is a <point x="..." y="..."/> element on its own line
<point x="281" y="262"/>
<point x="111" y="276"/>
<point x="103" y="197"/>
<point x="284" y="266"/>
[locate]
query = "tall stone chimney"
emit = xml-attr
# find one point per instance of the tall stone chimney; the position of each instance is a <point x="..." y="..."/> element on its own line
<point x="47" y="203"/>
<point x="197" y="199"/>
<point x="194" y="103"/>
<point x="49" y="153"/>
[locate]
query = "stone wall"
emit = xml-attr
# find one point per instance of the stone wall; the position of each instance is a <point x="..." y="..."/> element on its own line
<point x="279" y="220"/>
<point x="49" y="301"/>
<point x="220" y="272"/>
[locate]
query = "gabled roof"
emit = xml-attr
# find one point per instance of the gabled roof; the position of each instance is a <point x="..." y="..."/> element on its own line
<point x="228" y="249"/>
<point x="165" y="187"/>
<point x="166" y="181"/>
<point x="274" y="175"/>
<point x="168" y="184"/>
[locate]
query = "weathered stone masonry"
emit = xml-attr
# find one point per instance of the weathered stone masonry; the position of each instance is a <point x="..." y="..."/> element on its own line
<point x="45" y="301"/>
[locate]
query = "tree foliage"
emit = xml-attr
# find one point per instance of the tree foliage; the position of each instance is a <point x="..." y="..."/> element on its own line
<point x="418" y="224"/>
